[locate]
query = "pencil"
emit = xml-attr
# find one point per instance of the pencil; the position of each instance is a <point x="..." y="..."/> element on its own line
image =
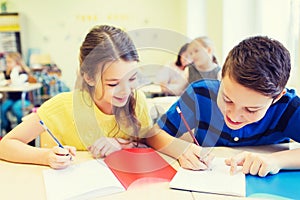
<point x="192" y="135"/>
<point x="187" y="125"/>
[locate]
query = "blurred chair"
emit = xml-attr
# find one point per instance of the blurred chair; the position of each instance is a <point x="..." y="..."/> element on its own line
<point x="38" y="60"/>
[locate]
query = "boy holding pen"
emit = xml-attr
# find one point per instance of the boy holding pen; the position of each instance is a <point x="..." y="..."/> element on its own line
<point x="250" y="106"/>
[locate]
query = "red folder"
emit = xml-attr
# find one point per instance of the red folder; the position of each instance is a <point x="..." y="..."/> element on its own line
<point x="130" y="165"/>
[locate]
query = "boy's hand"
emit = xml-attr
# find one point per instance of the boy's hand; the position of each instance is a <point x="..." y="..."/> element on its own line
<point x="254" y="164"/>
<point x="191" y="159"/>
<point x="60" y="158"/>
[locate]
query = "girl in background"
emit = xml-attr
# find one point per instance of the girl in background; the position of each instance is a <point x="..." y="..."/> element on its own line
<point x="16" y="73"/>
<point x="173" y="78"/>
<point x="205" y="64"/>
<point x="103" y="114"/>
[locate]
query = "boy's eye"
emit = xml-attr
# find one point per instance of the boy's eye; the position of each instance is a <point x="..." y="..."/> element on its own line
<point x="226" y="100"/>
<point x="251" y="111"/>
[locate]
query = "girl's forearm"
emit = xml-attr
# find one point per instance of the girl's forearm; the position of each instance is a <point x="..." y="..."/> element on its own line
<point x="165" y="143"/>
<point x="16" y="151"/>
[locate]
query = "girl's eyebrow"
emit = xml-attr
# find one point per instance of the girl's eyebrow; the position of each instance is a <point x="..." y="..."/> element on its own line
<point x="115" y="79"/>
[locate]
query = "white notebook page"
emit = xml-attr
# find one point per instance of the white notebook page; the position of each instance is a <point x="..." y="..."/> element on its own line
<point x="217" y="180"/>
<point x="81" y="181"/>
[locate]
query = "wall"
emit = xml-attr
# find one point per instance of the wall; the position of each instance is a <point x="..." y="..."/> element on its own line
<point x="246" y="18"/>
<point x="59" y="26"/>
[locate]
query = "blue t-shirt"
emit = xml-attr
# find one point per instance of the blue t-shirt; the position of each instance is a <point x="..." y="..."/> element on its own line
<point x="199" y="106"/>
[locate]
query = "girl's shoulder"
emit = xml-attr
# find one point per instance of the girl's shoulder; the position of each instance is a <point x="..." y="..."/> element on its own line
<point x="61" y="99"/>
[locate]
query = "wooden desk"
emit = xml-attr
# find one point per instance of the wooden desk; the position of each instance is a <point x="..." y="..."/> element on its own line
<point x="152" y="90"/>
<point x="159" y="105"/>
<point x="22" y="181"/>
<point x="27" y="87"/>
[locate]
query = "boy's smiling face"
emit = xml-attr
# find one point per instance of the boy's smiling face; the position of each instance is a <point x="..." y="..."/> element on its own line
<point x="239" y="105"/>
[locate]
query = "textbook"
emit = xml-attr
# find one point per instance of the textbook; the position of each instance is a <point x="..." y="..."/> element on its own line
<point x="217" y="180"/>
<point x="111" y="175"/>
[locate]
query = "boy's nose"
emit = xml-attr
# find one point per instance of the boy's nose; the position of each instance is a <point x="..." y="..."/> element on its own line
<point x="235" y="115"/>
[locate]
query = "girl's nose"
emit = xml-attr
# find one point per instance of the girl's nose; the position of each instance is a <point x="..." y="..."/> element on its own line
<point x="125" y="88"/>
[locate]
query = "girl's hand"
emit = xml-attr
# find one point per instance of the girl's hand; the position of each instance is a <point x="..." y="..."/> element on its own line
<point x="60" y="158"/>
<point x="104" y="146"/>
<point x="255" y="164"/>
<point x="191" y="159"/>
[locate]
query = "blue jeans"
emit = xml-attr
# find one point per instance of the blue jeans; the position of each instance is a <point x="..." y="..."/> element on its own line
<point x="16" y="109"/>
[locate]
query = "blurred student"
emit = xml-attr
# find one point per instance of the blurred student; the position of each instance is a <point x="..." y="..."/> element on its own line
<point x="250" y="106"/>
<point x="173" y="77"/>
<point x="17" y="74"/>
<point x="205" y="64"/>
<point x="103" y="114"/>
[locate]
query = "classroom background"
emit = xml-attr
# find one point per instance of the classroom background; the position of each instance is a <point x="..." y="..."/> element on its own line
<point x="56" y="28"/>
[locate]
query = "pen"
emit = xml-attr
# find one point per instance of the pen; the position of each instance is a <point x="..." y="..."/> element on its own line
<point x="48" y="130"/>
<point x="187" y="125"/>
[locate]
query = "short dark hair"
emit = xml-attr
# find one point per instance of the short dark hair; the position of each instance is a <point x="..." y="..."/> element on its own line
<point x="181" y="51"/>
<point x="259" y="63"/>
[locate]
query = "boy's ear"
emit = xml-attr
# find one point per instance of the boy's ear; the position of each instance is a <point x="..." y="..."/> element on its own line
<point x="90" y="81"/>
<point x="280" y="95"/>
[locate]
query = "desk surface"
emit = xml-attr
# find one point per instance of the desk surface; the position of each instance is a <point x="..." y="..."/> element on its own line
<point x="22" y="181"/>
<point x="21" y="88"/>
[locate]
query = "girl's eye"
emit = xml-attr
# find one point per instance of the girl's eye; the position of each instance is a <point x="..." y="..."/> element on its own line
<point x="112" y="85"/>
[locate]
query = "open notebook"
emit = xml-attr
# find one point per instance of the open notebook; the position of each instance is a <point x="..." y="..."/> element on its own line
<point x="216" y="180"/>
<point x="100" y="177"/>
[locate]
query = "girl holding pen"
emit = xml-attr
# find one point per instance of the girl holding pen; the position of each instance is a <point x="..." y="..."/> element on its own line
<point x="104" y="113"/>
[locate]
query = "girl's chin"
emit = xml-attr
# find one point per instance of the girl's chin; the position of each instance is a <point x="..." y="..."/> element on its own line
<point x="119" y="104"/>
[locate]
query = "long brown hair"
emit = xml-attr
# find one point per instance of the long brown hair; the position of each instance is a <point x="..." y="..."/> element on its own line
<point x="105" y="44"/>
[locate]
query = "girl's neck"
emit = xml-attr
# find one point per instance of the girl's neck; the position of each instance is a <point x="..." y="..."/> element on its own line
<point x="206" y="67"/>
<point x="104" y="107"/>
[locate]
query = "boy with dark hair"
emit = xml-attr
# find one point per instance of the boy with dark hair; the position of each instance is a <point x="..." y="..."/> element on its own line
<point x="250" y="106"/>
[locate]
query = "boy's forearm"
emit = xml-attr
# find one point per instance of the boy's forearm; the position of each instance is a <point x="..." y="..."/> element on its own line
<point x="288" y="159"/>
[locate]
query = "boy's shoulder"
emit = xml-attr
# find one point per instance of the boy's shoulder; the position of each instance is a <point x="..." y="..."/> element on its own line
<point x="290" y="95"/>
<point x="206" y="88"/>
<point x="209" y="84"/>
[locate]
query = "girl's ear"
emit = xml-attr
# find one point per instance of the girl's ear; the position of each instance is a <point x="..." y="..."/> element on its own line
<point x="209" y="50"/>
<point x="280" y="95"/>
<point x="90" y="81"/>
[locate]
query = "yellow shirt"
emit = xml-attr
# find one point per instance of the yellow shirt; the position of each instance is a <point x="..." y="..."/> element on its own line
<point x="76" y="121"/>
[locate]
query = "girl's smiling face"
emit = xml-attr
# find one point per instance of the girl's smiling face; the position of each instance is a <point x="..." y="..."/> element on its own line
<point x="115" y="85"/>
<point x="239" y="105"/>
